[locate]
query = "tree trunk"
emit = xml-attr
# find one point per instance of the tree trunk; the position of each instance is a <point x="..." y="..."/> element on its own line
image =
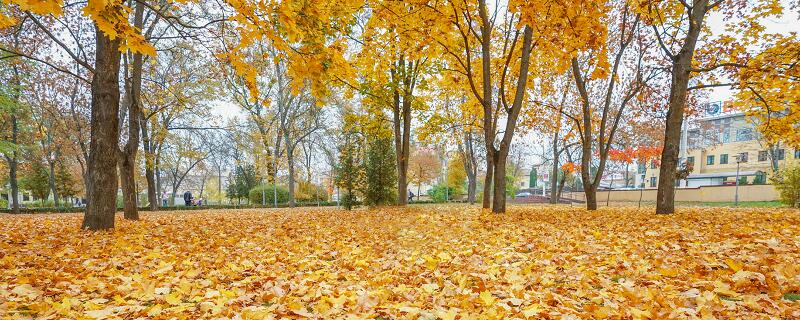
<point x="678" y="91"/>
<point x="488" y="181"/>
<point x="591" y="197"/>
<point x="127" y="168"/>
<point x="290" y="167"/>
<point x="470" y="166"/>
<point x="102" y="193"/>
<point x="499" y="197"/>
<point x="149" y="172"/>
<point x="12" y="173"/>
<point x="52" y="181"/>
<point x="554" y="194"/>
<point x="13" y="160"/>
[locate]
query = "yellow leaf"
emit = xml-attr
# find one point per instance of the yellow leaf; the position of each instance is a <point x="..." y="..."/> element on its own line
<point x="487" y="298"/>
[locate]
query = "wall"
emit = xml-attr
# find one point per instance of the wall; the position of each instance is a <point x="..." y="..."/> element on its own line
<point x="762" y="192"/>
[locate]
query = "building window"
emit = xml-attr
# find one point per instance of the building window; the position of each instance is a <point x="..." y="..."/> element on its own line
<point x="653" y="182"/>
<point x="710" y="160"/>
<point x="744" y="134"/>
<point x="690" y="160"/>
<point x="642" y="168"/>
<point x="762" y="156"/>
<point x="723" y="158"/>
<point x="726" y="135"/>
<point x="653" y="164"/>
<point x="742" y="157"/>
<point x="781" y="154"/>
<point x="797" y="153"/>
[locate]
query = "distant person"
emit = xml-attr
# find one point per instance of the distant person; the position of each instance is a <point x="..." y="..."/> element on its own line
<point x="410" y="196"/>
<point x="200" y="201"/>
<point x="187" y="198"/>
<point x="164" y="199"/>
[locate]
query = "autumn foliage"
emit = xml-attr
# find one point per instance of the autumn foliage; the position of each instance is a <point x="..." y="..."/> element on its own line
<point x="447" y="262"/>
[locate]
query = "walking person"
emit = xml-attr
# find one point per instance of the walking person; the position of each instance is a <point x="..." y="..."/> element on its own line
<point x="164" y="202"/>
<point x="187" y="198"/>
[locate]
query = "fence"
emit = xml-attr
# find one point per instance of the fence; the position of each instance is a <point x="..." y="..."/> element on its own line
<point x="760" y="192"/>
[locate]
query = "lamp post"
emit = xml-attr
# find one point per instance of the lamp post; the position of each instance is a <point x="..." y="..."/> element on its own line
<point x="736" y="195"/>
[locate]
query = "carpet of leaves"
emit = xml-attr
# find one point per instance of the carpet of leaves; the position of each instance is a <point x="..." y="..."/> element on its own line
<point x="447" y="262"/>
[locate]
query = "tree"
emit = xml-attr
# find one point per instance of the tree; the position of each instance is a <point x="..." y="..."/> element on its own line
<point x="601" y="113"/>
<point x="506" y="42"/>
<point x="679" y="25"/>
<point x="241" y="182"/>
<point x="456" y="175"/>
<point x="36" y="179"/>
<point x="787" y="182"/>
<point x="424" y="167"/>
<point x="380" y="172"/>
<point x="66" y="185"/>
<point x="350" y="171"/>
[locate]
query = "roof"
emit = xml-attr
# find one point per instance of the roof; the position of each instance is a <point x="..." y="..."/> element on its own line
<point x="721" y="174"/>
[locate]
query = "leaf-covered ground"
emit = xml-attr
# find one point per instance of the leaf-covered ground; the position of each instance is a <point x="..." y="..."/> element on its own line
<point x="422" y="262"/>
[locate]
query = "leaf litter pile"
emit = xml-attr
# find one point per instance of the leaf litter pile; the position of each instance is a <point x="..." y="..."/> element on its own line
<point x="429" y="262"/>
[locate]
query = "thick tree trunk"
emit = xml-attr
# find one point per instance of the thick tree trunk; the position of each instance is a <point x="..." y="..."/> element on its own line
<point x="499" y="197"/>
<point x="678" y="91"/>
<point x="591" y="197"/>
<point x="102" y="192"/>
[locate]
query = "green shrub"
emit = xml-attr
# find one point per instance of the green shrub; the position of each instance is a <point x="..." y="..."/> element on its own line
<point x="255" y="194"/>
<point x="787" y="182"/>
<point x="742" y="181"/>
<point x="439" y="193"/>
<point x="3" y="203"/>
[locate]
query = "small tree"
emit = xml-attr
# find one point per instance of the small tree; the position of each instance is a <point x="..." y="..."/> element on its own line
<point x="66" y="183"/>
<point x="424" y="167"/>
<point x="36" y="180"/>
<point x="787" y="182"/>
<point x="240" y="183"/>
<point x="380" y="173"/>
<point x="350" y="169"/>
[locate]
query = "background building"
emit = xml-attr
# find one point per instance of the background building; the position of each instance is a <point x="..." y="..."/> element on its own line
<point x="711" y="143"/>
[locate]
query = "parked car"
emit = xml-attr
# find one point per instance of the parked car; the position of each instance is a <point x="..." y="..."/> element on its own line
<point x="523" y="194"/>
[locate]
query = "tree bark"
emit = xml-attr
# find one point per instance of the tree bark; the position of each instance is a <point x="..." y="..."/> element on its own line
<point x="102" y="192"/>
<point x="554" y="194"/>
<point x="13" y="163"/>
<point x="499" y="196"/>
<point x="127" y="161"/>
<point x="401" y="116"/>
<point x="470" y="165"/>
<point x="149" y="165"/>
<point x="679" y="88"/>
<point x="51" y="163"/>
<point x="290" y="167"/>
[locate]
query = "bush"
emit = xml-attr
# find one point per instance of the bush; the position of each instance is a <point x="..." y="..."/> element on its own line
<point x="309" y="192"/>
<point x="787" y="182"/>
<point x="3" y="203"/>
<point x="439" y="193"/>
<point x="255" y="194"/>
